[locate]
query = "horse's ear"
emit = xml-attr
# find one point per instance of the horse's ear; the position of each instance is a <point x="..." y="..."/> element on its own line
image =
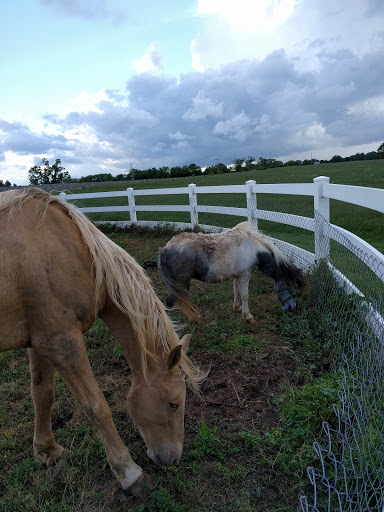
<point x="184" y="342"/>
<point x="174" y="357"/>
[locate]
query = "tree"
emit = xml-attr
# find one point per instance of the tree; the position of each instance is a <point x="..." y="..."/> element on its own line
<point x="293" y="162"/>
<point x="336" y="158"/>
<point x="380" y="151"/>
<point x="195" y="170"/>
<point x="47" y="174"/>
<point x="221" y="168"/>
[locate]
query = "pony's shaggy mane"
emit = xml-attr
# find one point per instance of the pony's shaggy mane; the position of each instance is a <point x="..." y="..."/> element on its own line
<point x="127" y="284"/>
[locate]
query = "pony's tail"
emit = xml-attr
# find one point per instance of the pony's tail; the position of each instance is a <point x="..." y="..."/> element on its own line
<point x="291" y="274"/>
<point x="180" y="293"/>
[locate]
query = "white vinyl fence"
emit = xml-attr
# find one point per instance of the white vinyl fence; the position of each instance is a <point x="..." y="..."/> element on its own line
<point x="321" y="191"/>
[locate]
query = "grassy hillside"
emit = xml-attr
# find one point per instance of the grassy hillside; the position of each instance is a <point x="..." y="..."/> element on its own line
<point x="364" y="222"/>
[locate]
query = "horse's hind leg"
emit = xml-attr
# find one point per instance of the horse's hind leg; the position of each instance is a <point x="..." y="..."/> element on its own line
<point x="43" y="395"/>
<point x="242" y="285"/>
<point x="68" y="355"/>
<point x="236" y="295"/>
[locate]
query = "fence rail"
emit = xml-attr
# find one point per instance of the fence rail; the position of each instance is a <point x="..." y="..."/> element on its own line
<point x="321" y="191"/>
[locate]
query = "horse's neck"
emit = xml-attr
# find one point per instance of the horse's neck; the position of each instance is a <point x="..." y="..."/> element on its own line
<point x="121" y="327"/>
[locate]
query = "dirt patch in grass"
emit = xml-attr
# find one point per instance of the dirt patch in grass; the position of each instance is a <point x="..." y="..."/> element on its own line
<point x="242" y="388"/>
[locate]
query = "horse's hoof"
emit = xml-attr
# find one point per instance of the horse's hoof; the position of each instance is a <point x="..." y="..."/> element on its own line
<point x="49" y="456"/>
<point x="142" y="484"/>
<point x="249" y="318"/>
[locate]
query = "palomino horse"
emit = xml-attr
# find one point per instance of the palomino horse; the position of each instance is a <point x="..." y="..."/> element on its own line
<point x="58" y="273"/>
<point x="217" y="257"/>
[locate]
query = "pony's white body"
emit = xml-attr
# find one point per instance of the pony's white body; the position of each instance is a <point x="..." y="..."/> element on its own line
<point x="218" y="257"/>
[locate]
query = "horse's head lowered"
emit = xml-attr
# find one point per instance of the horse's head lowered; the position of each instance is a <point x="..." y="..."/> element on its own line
<point x="156" y="404"/>
<point x="286" y="295"/>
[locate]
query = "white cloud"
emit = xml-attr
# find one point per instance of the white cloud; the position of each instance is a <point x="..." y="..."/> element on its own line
<point x="86" y="102"/>
<point x="248" y="15"/>
<point x="369" y="107"/>
<point x="182" y="144"/>
<point x="150" y="61"/>
<point x="203" y="107"/>
<point x="250" y="29"/>
<point x="178" y="136"/>
<point x="14" y="167"/>
<point x="237" y="128"/>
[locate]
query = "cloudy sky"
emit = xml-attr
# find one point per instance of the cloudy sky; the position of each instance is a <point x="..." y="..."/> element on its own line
<point x="109" y="84"/>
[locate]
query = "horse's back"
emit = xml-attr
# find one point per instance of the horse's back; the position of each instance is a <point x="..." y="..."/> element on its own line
<point x="46" y="282"/>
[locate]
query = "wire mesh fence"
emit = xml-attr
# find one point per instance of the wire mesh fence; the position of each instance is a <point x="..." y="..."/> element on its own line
<point x="350" y="471"/>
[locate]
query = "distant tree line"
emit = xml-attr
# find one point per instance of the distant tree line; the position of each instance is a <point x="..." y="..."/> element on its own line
<point x="55" y="173"/>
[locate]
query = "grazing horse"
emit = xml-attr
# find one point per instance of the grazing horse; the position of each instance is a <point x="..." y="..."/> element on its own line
<point x="217" y="257"/>
<point x="58" y="273"/>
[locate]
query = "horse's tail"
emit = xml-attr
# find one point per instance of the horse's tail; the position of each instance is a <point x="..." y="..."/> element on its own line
<point x="291" y="274"/>
<point x="176" y="288"/>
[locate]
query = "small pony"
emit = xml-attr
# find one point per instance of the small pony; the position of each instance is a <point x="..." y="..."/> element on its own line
<point x="58" y="273"/>
<point x="233" y="254"/>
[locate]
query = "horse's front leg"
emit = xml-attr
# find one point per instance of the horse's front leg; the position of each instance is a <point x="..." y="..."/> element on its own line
<point x="68" y="355"/>
<point x="43" y="394"/>
<point x="242" y="285"/>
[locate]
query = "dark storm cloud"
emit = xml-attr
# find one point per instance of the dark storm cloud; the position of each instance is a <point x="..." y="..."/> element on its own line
<point x="18" y="138"/>
<point x="251" y="107"/>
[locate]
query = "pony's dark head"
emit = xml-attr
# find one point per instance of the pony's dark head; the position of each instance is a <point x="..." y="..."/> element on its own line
<point x="291" y="277"/>
<point x="287" y="277"/>
<point x="286" y="295"/>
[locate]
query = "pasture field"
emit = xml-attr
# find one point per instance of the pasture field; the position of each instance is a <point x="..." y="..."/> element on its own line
<point x="364" y="222"/>
<point x="248" y="436"/>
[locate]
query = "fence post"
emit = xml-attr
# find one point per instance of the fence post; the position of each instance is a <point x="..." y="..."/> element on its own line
<point x="321" y="207"/>
<point x="193" y="205"/>
<point x="252" y="204"/>
<point x="131" y="204"/>
<point x="62" y="197"/>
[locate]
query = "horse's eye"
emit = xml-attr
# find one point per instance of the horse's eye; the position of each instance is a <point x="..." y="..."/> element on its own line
<point x="174" y="406"/>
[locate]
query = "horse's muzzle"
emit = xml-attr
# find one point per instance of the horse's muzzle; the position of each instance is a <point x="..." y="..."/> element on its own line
<point x="165" y="457"/>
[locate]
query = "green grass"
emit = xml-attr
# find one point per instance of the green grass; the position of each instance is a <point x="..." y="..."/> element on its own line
<point x="364" y="222"/>
<point x="289" y="447"/>
<point x="256" y="464"/>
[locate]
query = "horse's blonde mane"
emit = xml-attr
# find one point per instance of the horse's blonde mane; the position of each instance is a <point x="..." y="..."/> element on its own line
<point x="126" y="282"/>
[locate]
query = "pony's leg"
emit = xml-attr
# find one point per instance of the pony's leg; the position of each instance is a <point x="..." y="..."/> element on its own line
<point x="243" y="283"/>
<point x="68" y="355"/>
<point x="43" y="395"/>
<point x="236" y="294"/>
